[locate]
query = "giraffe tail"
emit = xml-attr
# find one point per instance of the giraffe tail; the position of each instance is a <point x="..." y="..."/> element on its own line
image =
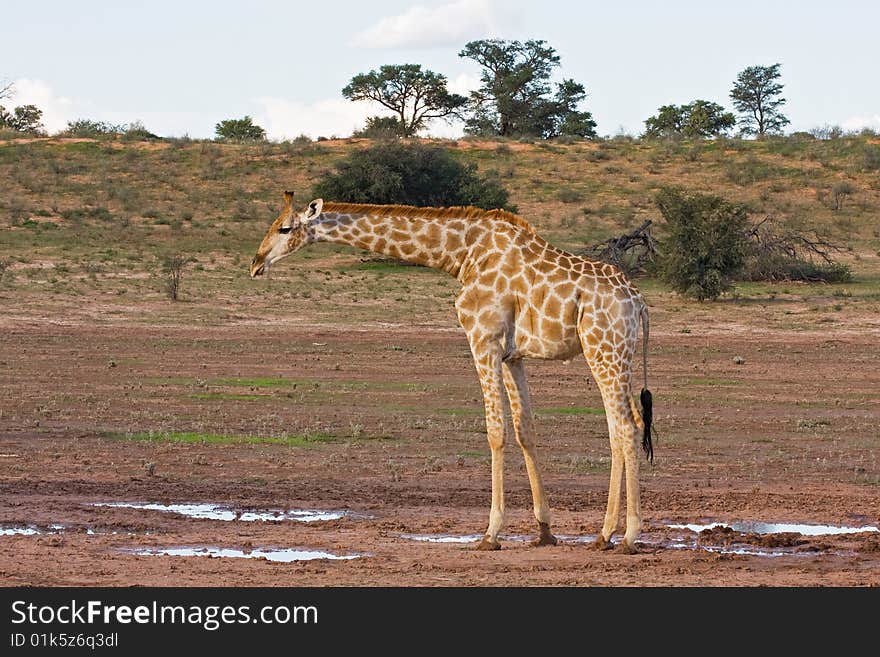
<point x="646" y="398"/>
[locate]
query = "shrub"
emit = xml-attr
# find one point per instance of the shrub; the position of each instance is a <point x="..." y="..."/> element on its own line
<point x="137" y="131"/>
<point x="779" y="253"/>
<point x="871" y="158"/>
<point x="839" y="192"/>
<point x="89" y="128"/>
<point x="410" y="174"/>
<point x="173" y="267"/>
<point x="381" y="127"/>
<point x="748" y="171"/>
<point x="569" y="195"/>
<point x="705" y="245"/>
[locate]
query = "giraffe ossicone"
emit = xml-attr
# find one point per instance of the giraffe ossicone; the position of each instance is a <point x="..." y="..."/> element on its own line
<point x="520" y="298"/>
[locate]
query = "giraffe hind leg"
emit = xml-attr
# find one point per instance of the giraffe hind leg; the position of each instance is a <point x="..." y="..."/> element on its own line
<point x="610" y="361"/>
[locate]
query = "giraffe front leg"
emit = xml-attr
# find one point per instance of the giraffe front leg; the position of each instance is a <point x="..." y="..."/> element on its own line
<point x="520" y="407"/>
<point x="489" y="369"/>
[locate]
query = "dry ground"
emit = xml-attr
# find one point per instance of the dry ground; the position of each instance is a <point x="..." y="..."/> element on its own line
<point x="384" y="419"/>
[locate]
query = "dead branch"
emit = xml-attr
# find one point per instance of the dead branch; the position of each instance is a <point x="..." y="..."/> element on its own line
<point x="630" y="251"/>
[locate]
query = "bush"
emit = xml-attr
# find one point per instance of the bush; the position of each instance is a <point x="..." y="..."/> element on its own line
<point x="381" y="127"/>
<point x="748" y="171"/>
<point x="172" y="266"/>
<point x="242" y="129"/>
<point x="89" y="128"/>
<point x="839" y="192"/>
<point x="780" y="253"/>
<point x="871" y="158"/>
<point x="705" y="245"/>
<point x="781" y="268"/>
<point x="137" y="131"/>
<point x="569" y="195"/>
<point x="410" y="174"/>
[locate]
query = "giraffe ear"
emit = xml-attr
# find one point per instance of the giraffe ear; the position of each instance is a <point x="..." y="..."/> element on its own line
<point x="315" y="208"/>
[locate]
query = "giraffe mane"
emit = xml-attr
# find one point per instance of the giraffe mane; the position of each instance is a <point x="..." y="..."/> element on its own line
<point x="469" y="213"/>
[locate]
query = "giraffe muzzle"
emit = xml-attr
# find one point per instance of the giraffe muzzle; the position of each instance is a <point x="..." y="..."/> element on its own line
<point x="258" y="267"/>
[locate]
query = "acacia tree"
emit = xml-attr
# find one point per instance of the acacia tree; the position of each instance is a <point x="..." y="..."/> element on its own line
<point x="416" y="96"/>
<point x="243" y="129"/>
<point x="756" y="95"/>
<point x="515" y="95"/>
<point x="701" y="118"/>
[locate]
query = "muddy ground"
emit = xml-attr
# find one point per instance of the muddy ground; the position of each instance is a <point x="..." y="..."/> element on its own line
<point x="384" y="421"/>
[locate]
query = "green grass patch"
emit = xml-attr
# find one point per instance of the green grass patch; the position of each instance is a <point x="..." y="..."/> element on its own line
<point x="293" y="440"/>
<point x="219" y="396"/>
<point x="259" y="382"/>
<point x="571" y="410"/>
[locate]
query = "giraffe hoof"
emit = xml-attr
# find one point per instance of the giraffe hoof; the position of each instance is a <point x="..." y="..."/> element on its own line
<point x="627" y="548"/>
<point x="603" y="543"/>
<point x="545" y="537"/>
<point x="487" y="544"/>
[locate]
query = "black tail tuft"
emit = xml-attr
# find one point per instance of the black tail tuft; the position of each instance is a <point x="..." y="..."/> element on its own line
<point x="648" y="418"/>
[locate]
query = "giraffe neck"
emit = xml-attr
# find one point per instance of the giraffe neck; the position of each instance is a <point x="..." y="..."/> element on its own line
<point x="427" y="241"/>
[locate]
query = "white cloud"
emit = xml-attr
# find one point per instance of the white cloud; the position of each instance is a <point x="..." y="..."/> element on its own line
<point x="57" y="110"/>
<point x="463" y="84"/>
<point x="424" y="27"/>
<point x="859" y="122"/>
<point x="286" y="119"/>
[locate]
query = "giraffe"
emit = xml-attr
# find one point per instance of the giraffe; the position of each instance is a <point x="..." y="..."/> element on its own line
<point x="520" y="298"/>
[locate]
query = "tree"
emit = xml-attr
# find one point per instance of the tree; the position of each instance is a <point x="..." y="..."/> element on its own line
<point x="515" y="95"/>
<point x="410" y="174"/>
<point x="705" y="245"/>
<point x="698" y="119"/>
<point x="416" y="96"/>
<point x="25" y="118"/>
<point x="567" y="119"/>
<point x="239" y="130"/>
<point x="756" y="95"/>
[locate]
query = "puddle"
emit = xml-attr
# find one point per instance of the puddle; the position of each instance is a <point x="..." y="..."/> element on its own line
<point x="279" y="555"/>
<point x="753" y="527"/>
<point x="21" y="531"/>
<point x="32" y="530"/>
<point x="456" y="538"/>
<point x="746" y="550"/>
<point x="221" y="512"/>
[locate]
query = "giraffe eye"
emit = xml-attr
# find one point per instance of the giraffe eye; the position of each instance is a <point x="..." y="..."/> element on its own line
<point x="285" y="229"/>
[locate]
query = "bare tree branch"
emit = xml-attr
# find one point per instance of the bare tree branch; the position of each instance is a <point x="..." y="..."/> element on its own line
<point x="7" y="89"/>
<point x="630" y="251"/>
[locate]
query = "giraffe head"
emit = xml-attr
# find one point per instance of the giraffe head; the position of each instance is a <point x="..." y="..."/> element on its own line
<point x="286" y="234"/>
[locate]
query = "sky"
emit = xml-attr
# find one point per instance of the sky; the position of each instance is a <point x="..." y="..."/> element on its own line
<point x="181" y="67"/>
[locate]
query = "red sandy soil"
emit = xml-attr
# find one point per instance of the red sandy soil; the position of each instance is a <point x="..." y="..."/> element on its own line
<point x="788" y="436"/>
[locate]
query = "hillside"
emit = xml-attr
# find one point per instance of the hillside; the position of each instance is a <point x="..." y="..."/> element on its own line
<point x="84" y="217"/>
